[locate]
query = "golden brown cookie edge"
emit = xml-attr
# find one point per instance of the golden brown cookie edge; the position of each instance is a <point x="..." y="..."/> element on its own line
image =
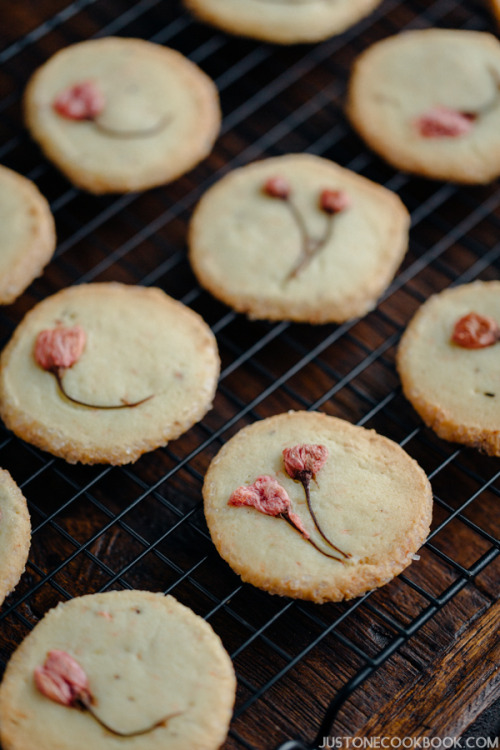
<point x="369" y="576"/>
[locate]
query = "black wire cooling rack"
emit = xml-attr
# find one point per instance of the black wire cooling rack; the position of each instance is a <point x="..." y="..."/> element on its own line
<point x="299" y="665"/>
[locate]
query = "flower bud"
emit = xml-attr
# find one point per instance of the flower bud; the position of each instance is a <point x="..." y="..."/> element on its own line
<point x="334" y="201"/>
<point x="83" y="101"/>
<point x="62" y="679"/>
<point x="304" y="460"/>
<point x="277" y="187"/>
<point x="59" y="347"/>
<point x="475" y="331"/>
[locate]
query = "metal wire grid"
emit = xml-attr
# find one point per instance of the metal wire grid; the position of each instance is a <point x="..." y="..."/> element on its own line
<point x="142" y="526"/>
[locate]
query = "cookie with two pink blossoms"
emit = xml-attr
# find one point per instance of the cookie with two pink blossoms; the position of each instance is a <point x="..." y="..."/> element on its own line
<point x="332" y="510"/>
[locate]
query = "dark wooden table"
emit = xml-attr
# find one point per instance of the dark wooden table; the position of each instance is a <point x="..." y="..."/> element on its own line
<point x="418" y="658"/>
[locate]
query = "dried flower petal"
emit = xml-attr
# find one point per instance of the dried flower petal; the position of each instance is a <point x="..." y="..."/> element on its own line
<point x="83" y="101"/>
<point x="443" y="122"/>
<point x="475" y="331"/>
<point x="265" y="495"/>
<point x="268" y="496"/>
<point x="297" y="522"/>
<point x="62" y="679"/>
<point x="105" y="615"/>
<point x="59" y="347"/>
<point x="302" y="463"/>
<point x="277" y="187"/>
<point x="334" y="201"/>
<point x="304" y="460"/>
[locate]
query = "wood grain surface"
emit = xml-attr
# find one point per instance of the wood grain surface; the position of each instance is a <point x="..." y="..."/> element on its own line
<point x="444" y="699"/>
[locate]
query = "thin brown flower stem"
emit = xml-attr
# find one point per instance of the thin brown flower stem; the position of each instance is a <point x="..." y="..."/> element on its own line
<point x="485" y="109"/>
<point x="306" y="482"/>
<point x="139" y="133"/>
<point x="492" y="104"/>
<point x="301" y="226"/>
<point x="311" y="248"/>
<point x="86" y="704"/>
<point x="58" y="374"/>
<point x="308" y="539"/>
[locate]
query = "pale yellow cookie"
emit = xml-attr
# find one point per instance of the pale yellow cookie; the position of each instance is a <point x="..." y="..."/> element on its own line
<point x="246" y="246"/>
<point x="428" y="102"/>
<point x="27" y="234"/>
<point x="160" y="114"/>
<point x="140" y="347"/>
<point x="455" y="390"/>
<point x="154" y="670"/>
<point x="15" y="534"/>
<point x="370" y="499"/>
<point x="282" y="21"/>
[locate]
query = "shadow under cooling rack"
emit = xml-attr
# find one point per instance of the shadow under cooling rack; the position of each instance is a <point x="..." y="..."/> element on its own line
<point x="427" y="638"/>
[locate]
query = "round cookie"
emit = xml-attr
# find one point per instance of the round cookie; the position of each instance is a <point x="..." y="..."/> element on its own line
<point x="154" y="670"/>
<point x="454" y="389"/>
<point x="371" y="501"/>
<point x="27" y="234"/>
<point x="135" y="114"/>
<point x="15" y="534"/>
<point x="140" y="369"/>
<point x="282" y="21"/>
<point x="428" y="102"/>
<point x="322" y="253"/>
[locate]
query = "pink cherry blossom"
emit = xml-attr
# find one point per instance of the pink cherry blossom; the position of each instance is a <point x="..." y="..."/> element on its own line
<point x="265" y="495"/>
<point x="62" y="679"/>
<point x="268" y="496"/>
<point x="82" y="101"/>
<point x="443" y="122"/>
<point x="474" y="331"/>
<point x="277" y="187"/>
<point x="334" y="201"/>
<point x="303" y="461"/>
<point x="59" y="347"/>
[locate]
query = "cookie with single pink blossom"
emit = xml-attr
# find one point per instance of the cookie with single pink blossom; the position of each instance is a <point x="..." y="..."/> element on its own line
<point x="102" y="373"/>
<point x="428" y="102"/>
<point x="117" y="115"/>
<point x="312" y="507"/>
<point x="27" y="234"/>
<point x="449" y="360"/>
<point x="282" y="21"/>
<point x="123" y="668"/>
<point x="297" y="237"/>
<point x="15" y="534"/>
